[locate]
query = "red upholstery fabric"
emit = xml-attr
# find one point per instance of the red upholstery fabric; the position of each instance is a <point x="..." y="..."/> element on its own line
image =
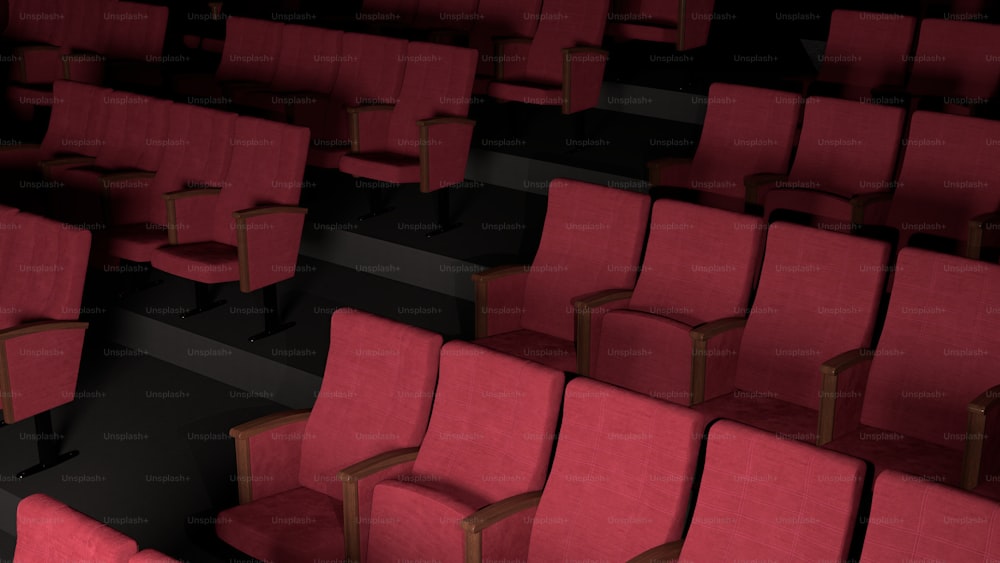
<point x="747" y="131"/>
<point x="134" y="31"/>
<point x="308" y="60"/>
<point x="151" y="556"/>
<point x="845" y="148"/>
<point x="251" y="50"/>
<point x="497" y="19"/>
<point x="867" y="49"/>
<point x="79" y="119"/>
<point x="36" y="21"/>
<point x="937" y="349"/>
<point x="942" y="183"/>
<point x="591" y="240"/>
<point x="137" y="241"/>
<point x="562" y="24"/>
<point x="132" y="121"/>
<point x="536" y="346"/>
<point x="955" y="59"/>
<point x="48" y="531"/>
<point x="700" y="264"/>
<point x="621" y="479"/>
<point x="205" y="262"/>
<point x="489" y="438"/>
<point x="914" y="519"/>
<point x="811" y="305"/>
<point x="649" y="20"/>
<point x="389" y="11"/>
<point x="445" y="14"/>
<point x="765" y="498"/>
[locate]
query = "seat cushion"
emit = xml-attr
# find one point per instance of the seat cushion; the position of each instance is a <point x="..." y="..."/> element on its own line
<point x="528" y="93"/>
<point x="535" y="346"/>
<point x="136" y="242"/>
<point x="206" y="262"/>
<point x="382" y="166"/>
<point x="297" y="526"/>
<point x="416" y="521"/>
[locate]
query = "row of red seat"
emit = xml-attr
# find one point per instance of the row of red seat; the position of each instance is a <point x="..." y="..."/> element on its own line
<point x="933" y="176"/>
<point x="42" y="273"/>
<point x="203" y="194"/>
<point x="782" y="338"/>
<point x="81" y="40"/>
<point x="878" y="56"/>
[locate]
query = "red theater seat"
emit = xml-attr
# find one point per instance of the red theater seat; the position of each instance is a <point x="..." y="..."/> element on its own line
<point x="562" y="64"/>
<point x="151" y="556"/>
<point x="49" y="531"/>
<point x="489" y="442"/>
<point x="699" y="266"/>
<point x="956" y="66"/>
<point x="747" y="131"/>
<point x="497" y="20"/>
<point x="591" y="242"/>
<point x="684" y="23"/>
<point x="372" y="408"/>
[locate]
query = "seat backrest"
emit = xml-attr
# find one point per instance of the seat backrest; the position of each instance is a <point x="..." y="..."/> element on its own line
<point x="48" y="530"/>
<point x="621" y="478"/>
<point x="132" y="121"/>
<point x="818" y="297"/>
<point x="376" y="395"/>
<point x="445" y="14"/>
<point x="700" y="262"/>
<point x="867" y="48"/>
<point x="938" y="349"/>
<point x="251" y="50"/>
<point x="86" y="28"/>
<point x="492" y="426"/>
<point x="308" y="60"/>
<point x="266" y="167"/>
<point x="591" y="240"/>
<point x="917" y="520"/>
<point x="957" y="59"/>
<point x="947" y="177"/>
<point x="78" y="121"/>
<point x="437" y="83"/>
<point x="847" y="147"/>
<point x="134" y="31"/>
<point x="44" y="271"/>
<point x="37" y="21"/>
<point x="764" y="498"/>
<point x="507" y="18"/>
<point x="563" y="24"/>
<point x="747" y="130"/>
<point x="371" y="71"/>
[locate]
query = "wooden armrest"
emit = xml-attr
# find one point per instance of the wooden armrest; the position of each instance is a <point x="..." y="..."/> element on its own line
<point x="753" y="182"/>
<point x="978" y="411"/>
<point x="197" y="192"/>
<point x="661" y="553"/>
<point x="986" y="402"/>
<point x="846" y="360"/>
<point x="498" y="272"/>
<point x="445" y="121"/>
<point x="493" y="513"/>
<point x="373" y="465"/>
<point x="711" y="329"/>
<point x="268" y="210"/>
<point x="40" y="326"/>
<point x="830" y="371"/>
<point x="373" y="107"/>
<point x="977" y="225"/>
<point x="585" y="303"/>
<point x="66" y="161"/>
<point x="269" y="422"/>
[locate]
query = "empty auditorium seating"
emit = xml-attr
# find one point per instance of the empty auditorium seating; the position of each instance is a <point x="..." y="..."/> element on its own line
<point x="684" y="23"/>
<point x="844" y="166"/>
<point x="499" y="20"/>
<point x="44" y="266"/>
<point x="133" y="36"/>
<point x="866" y="51"/>
<point x="699" y="266"/>
<point x="914" y="519"/>
<point x="48" y="531"/>
<point x="425" y="137"/>
<point x="811" y="306"/>
<point x="591" y="242"/>
<point x="372" y="408"/>
<point x="948" y="190"/>
<point x="562" y="64"/>
<point x="763" y="498"/>
<point x="489" y="441"/>
<point x="248" y="230"/>
<point x="747" y="131"/>
<point x="955" y="67"/>
<point x="915" y="403"/>
<point x="620" y="482"/>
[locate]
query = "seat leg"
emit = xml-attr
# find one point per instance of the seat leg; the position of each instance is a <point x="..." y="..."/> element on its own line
<point x="48" y="447"/>
<point x="203" y="300"/>
<point x="376" y="204"/>
<point x="272" y="320"/>
<point x="443" y="213"/>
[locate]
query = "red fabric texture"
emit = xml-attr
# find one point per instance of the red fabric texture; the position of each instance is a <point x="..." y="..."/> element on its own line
<point x="490" y="437"/>
<point x="308" y="60"/>
<point x="132" y="121"/>
<point x="941" y="183"/>
<point x="955" y="59"/>
<point x="747" y="131"/>
<point x="535" y="346"/>
<point x="54" y="353"/>
<point x="867" y="49"/>
<point x="48" y="531"/>
<point x="37" y="65"/>
<point x="251" y="50"/>
<point x="78" y="121"/>
<point x="586" y="73"/>
<point x="499" y="19"/>
<point x="134" y="31"/>
<point x="810" y="306"/>
<point x="151" y="556"/>
<point x="913" y="519"/>
<point x="275" y="459"/>
<point x="445" y="14"/>
<point x="272" y="248"/>
<point x="447" y="154"/>
<point x="504" y="302"/>
<point x="621" y="479"/>
<point x="765" y="498"/>
<point x="562" y="24"/>
<point x="205" y="262"/>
